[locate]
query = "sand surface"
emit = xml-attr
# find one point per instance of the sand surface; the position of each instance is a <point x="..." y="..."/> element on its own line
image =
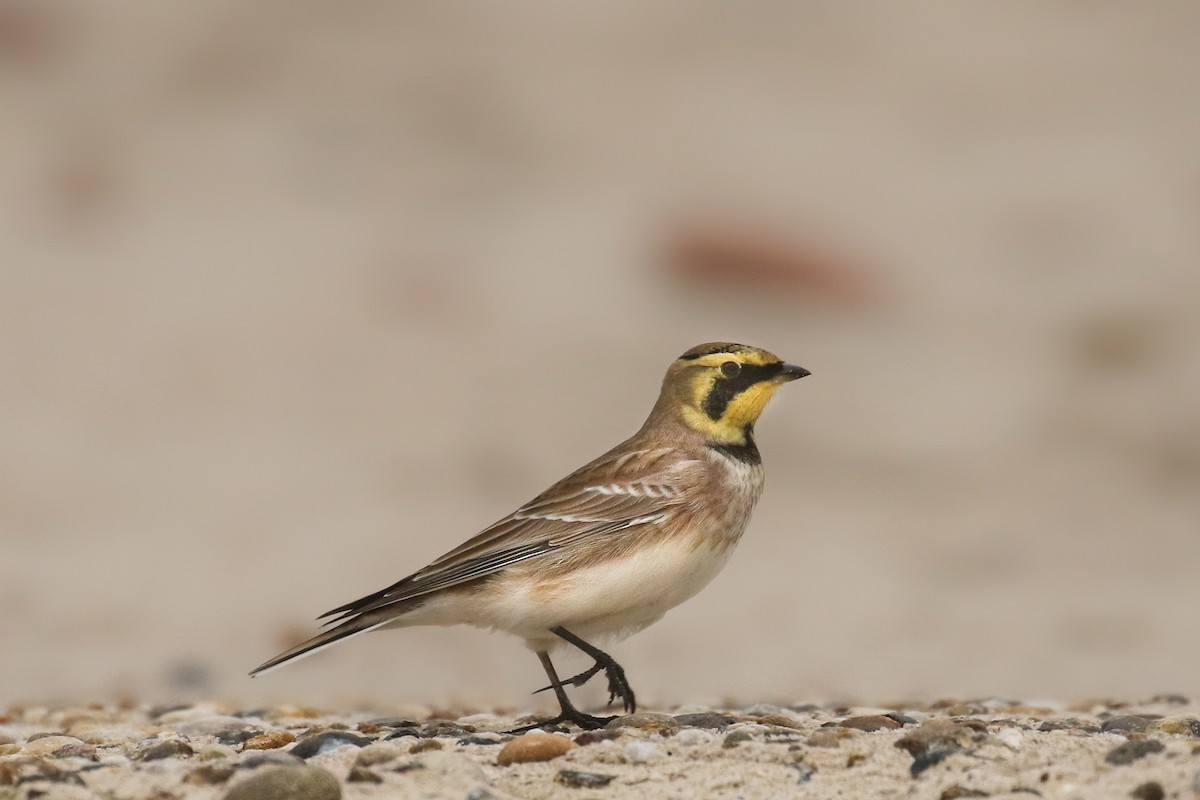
<point x="951" y="750"/>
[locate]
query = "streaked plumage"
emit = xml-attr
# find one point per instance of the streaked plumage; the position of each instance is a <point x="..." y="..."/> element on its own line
<point x="612" y="547"/>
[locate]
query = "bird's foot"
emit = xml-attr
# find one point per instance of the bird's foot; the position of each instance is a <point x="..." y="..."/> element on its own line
<point x="571" y="715"/>
<point x="618" y="686"/>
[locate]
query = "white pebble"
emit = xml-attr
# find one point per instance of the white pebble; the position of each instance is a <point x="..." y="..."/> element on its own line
<point x="693" y="737"/>
<point x="641" y="752"/>
<point x="1011" y="737"/>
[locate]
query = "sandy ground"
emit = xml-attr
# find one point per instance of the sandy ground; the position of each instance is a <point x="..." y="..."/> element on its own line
<point x="952" y="750"/>
<point x="296" y="297"/>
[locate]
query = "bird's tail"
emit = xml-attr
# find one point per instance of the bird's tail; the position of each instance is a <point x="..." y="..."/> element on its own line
<point x="349" y="628"/>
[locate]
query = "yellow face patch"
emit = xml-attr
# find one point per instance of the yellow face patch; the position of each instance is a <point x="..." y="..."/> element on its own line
<point x="724" y="405"/>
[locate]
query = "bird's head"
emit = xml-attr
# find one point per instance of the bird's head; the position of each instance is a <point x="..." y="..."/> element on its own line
<point x="719" y="389"/>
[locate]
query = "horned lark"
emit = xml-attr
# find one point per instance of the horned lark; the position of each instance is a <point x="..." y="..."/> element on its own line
<point x="613" y="546"/>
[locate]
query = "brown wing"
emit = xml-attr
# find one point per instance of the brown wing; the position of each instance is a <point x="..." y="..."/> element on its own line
<point x="617" y="491"/>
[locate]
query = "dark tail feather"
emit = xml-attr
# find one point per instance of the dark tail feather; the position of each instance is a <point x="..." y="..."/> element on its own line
<point x="352" y="627"/>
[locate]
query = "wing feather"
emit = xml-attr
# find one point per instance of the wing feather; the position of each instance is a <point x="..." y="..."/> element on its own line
<point x="618" y="491"/>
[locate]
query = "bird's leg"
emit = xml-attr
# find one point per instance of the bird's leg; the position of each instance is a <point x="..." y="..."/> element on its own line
<point x="569" y="712"/>
<point x="617" y="685"/>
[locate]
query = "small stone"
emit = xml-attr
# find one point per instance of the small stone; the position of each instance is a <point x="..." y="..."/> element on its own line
<point x="903" y="719"/>
<point x="319" y="743"/>
<point x="583" y="780"/>
<point x="1150" y="790"/>
<point x="641" y="752"/>
<point x="481" y="793"/>
<point x="955" y="791"/>
<point x="80" y="750"/>
<point x="779" y="721"/>
<point x="304" y="782"/>
<point x="734" y="738"/>
<point x="935" y="733"/>
<point x="874" y="722"/>
<point x="487" y="737"/>
<point x="209" y="775"/>
<point x="393" y="722"/>
<point x="593" y="737"/>
<point x="707" y="720"/>
<point x="210" y="726"/>
<point x="152" y="750"/>
<point x="363" y="775"/>
<point x="1127" y="723"/>
<point x="1131" y="751"/>
<point x="1181" y="726"/>
<point x="9" y="749"/>
<point x="269" y="741"/>
<point x="444" y="728"/>
<point x="216" y="752"/>
<point x="400" y="733"/>
<point x="378" y="753"/>
<point x="828" y="737"/>
<point x="268" y="758"/>
<point x="663" y="724"/>
<point x="240" y="736"/>
<point x="1069" y="724"/>
<point x="534" y="746"/>
<point x="694" y="737"/>
<point x="47" y="744"/>
<point x="426" y="744"/>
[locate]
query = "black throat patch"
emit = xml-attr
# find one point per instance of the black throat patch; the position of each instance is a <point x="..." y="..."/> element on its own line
<point x="746" y="453"/>
<point x="725" y="389"/>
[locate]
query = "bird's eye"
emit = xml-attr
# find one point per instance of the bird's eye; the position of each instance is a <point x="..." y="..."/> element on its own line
<point x="730" y="368"/>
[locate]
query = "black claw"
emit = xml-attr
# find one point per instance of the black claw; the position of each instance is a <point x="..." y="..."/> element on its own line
<point x="585" y="721"/>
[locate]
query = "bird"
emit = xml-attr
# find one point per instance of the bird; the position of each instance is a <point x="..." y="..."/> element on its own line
<point x="610" y="548"/>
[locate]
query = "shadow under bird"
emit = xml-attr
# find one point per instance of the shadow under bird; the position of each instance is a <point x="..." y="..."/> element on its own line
<point x="613" y="546"/>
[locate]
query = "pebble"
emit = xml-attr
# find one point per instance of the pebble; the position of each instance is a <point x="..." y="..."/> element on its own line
<point x="663" y="724"/>
<point x="426" y="744"/>
<point x="209" y="775"/>
<point x="956" y="790"/>
<point x="694" y="737"/>
<point x="1150" y="790"/>
<point x="47" y="744"/>
<point x="377" y="753"/>
<point x="400" y="733"/>
<point x="304" y="782"/>
<point x="1069" y="724"/>
<point x="240" y="736"/>
<point x="393" y="722"/>
<point x="1183" y="726"/>
<point x="641" y="752"/>
<point x="583" y="780"/>
<point x="534" y="746"/>
<point x="359" y="774"/>
<point x="155" y="750"/>
<point x="1131" y="751"/>
<point x="874" y="722"/>
<point x="211" y="726"/>
<point x="829" y="737"/>
<point x="443" y="728"/>
<point x="319" y="743"/>
<point x="734" y="738"/>
<point x="1128" y="723"/>
<point x="705" y="720"/>
<point x="594" y="737"/>
<point x="487" y="737"/>
<point x="779" y="721"/>
<point x="269" y="741"/>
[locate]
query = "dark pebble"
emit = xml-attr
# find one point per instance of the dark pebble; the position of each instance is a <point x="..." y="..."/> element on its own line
<point x="874" y="722"/>
<point x="707" y="720"/>
<point x="482" y="738"/>
<point x="1128" y="723"/>
<point x="583" y="780"/>
<point x="209" y="775"/>
<point x="594" y="737"/>
<point x="259" y="713"/>
<point x="955" y="791"/>
<point x="168" y="748"/>
<point x="1150" y="790"/>
<point x="1070" y="724"/>
<point x="363" y="775"/>
<point x="287" y="783"/>
<point x="235" y="736"/>
<point x="393" y="722"/>
<point x="1131" y="751"/>
<point x="324" y="742"/>
<point x="444" y="728"/>
<point x="932" y="757"/>
<point x="400" y="733"/>
<point x="903" y="719"/>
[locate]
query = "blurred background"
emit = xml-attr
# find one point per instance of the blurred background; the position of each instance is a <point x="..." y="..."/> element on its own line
<point x="296" y="296"/>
